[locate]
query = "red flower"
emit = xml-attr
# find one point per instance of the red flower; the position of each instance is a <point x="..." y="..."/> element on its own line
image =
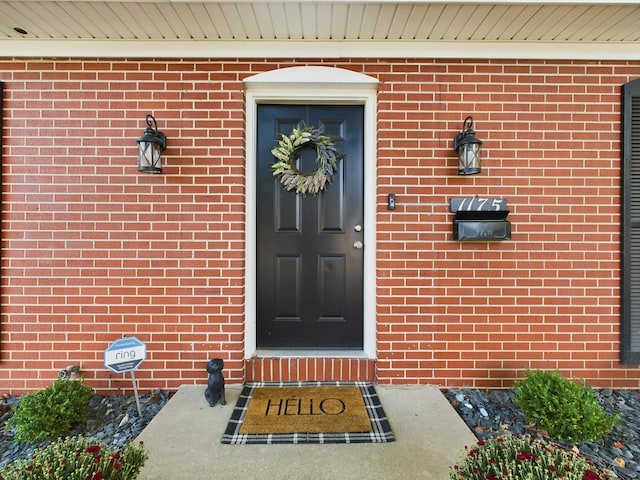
<point x="590" y="475"/>
<point x="95" y="476"/>
<point x="522" y="456"/>
<point x="93" y="449"/>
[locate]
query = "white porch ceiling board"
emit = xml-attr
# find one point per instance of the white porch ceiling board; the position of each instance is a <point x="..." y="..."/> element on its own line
<point x="12" y="17"/>
<point x="553" y="27"/>
<point x="67" y="25"/>
<point x="28" y="15"/>
<point x="309" y="21"/>
<point x="613" y="22"/>
<point x="518" y="22"/>
<point x="202" y="25"/>
<point x="234" y="21"/>
<point x="368" y="23"/>
<point x="575" y="29"/>
<point x="339" y="22"/>
<point x="355" y="17"/>
<point x="218" y="21"/>
<point x="477" y="19"/>
<point x="496" y="19"/>
<point x="250" y="22"/>
<point x="384" y="17"/>
<point x="414" y="22"/>
<point x="534" y="24"/>
<point x="448" y="24"/>
<point x="266" y="28"/>
<point x="398" y="24"/>
<point x="83" y="19"/>
<point x="326" y="22"/>
<point x="591" y="29"/>
<point x="195" y="19"/>
<point x="176" y="19"/>
<point x="578" y="23"/>
<point x="110" y="18"/>
<point x="627" y="29"/>
<point x="293" y="21"/>
<point x="431" y="15"/>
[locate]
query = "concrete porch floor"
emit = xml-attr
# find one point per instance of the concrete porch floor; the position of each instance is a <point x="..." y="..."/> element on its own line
<point x="184" y="443"/>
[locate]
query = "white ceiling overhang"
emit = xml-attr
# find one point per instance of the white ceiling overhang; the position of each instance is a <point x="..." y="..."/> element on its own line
<point x="533" y="29"/>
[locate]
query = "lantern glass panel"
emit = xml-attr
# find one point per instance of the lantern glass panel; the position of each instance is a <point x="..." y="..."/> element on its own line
<point x="469" y="159"/>
<point x="149" y="157"/>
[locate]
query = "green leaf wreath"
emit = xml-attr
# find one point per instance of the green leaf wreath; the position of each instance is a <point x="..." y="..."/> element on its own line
<point x="285" y="153"/>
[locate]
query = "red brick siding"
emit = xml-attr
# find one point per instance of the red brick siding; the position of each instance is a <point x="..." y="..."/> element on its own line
<point x="310" y="369"/>
<point x="92" y="250"/>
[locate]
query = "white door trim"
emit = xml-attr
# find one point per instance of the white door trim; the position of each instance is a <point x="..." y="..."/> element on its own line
<point x="316" y="85"/>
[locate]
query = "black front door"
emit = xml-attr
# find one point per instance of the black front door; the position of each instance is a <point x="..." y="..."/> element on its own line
<point x="309" y="249"/>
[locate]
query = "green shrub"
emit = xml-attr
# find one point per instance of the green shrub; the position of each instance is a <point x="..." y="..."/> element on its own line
<point x="520" y="457"/>
<point x="566" y="409"/>
<point x="51" y="412"/>
<point x="78" y="458"/>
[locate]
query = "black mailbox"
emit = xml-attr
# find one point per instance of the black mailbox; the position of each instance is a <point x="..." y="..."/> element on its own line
<point x="480" y="219"/>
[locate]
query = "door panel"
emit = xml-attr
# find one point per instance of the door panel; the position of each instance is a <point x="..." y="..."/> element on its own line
<point x="309" y="275"/>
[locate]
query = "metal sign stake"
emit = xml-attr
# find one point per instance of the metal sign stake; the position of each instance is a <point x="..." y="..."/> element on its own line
<point x="135" y="392"/>
<point x="125" y="355"/>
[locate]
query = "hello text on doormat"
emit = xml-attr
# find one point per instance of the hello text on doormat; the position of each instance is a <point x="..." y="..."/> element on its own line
<point x="328" y="409"/>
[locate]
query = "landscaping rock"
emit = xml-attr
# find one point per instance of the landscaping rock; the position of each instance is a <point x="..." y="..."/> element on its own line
<point x="616" y="455"/>
<point x="105" y="423"/>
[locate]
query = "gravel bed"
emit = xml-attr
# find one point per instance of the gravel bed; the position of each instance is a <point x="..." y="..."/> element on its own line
<point x="113" y="420"/>
<point x="492" y="413"/>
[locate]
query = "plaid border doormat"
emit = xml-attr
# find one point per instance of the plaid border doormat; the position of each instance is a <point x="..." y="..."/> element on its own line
<point x="380" y="428"/>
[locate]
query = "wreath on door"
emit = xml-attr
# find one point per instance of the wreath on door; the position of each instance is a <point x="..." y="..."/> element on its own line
<point x="284" y="169"/>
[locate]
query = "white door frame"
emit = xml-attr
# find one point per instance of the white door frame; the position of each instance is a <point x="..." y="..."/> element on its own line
<point x="312" y="85"/>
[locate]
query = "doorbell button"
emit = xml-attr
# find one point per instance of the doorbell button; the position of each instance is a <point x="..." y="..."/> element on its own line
<point x="391" y="201"/>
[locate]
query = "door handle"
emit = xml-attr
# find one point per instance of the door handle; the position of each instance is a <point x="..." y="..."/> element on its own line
<point x="357" y="228"/>
<point x="358" y="245"/>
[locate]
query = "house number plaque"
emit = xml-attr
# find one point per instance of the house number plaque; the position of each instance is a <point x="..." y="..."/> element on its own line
<point x="476" y="204"/>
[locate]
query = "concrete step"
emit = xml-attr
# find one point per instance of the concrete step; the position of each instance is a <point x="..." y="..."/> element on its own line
<point x="184" y="443"/>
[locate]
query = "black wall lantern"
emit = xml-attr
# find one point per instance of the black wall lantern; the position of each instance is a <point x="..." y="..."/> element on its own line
<point x="468" y="148"/>
<point x="150" y="147"/>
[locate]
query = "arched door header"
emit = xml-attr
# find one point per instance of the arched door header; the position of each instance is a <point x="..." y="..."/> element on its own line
<point x="309" y="76"/>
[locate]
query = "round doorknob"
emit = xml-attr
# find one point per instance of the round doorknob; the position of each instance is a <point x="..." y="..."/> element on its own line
<point x="358" y="245"/>
<point x="357" y="228"/>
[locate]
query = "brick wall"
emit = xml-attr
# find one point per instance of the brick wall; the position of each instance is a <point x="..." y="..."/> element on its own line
<point x="92" y="250"/>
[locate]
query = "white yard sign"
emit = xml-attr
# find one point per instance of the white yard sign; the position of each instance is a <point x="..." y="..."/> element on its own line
<point x="125" y="355"/>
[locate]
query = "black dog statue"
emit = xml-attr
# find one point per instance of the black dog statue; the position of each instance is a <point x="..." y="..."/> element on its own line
<point x="215" y="385"/>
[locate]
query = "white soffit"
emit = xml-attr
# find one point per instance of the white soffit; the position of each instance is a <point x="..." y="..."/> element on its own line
<point x="571" y="29"/>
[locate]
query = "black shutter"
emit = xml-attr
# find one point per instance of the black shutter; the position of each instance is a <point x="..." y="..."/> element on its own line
<point x="1" y="135"/>
<point x="630" y="328"/>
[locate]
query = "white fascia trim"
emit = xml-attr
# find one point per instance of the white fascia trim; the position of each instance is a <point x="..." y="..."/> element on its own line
<point x="395" y="2"/>
<point x="29" y="48"/>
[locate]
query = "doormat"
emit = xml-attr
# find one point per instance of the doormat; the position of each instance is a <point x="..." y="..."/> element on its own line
<point x="308" y="412"/>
